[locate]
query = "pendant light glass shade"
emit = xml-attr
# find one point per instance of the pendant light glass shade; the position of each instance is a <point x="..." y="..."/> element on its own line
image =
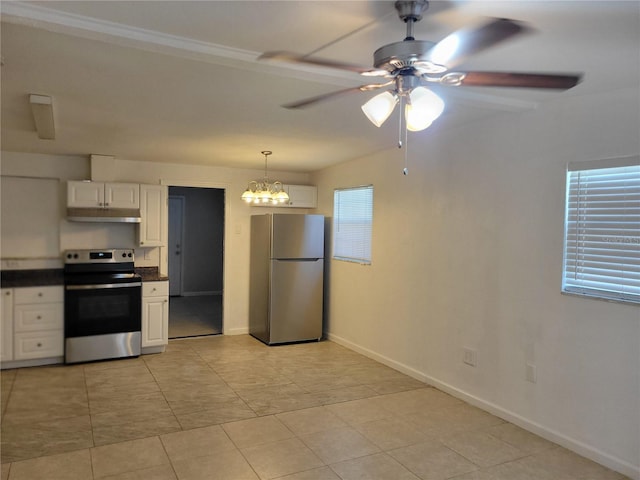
<point x="424" y="107"/>
<point x="380" y="107"/>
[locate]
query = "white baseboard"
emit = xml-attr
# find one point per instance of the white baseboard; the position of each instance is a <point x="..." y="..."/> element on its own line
<point x="236" y="331"/>
<point x="588" y="451"/>
<point x="37" y="362"/>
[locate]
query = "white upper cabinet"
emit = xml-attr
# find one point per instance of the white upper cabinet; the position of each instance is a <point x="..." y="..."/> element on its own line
<point x="153" y="216"/>
<point x="122" y="195"/>
<point x="103" y="195"/>
<point x="302" y="196"/>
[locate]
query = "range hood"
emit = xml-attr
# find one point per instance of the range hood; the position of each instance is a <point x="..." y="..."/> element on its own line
<point x="110" y="215"/>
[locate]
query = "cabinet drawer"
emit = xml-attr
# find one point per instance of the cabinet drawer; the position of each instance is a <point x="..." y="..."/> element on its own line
<point x="38" y="345"/>
<point x="155" y="289"/>
<point x="38" y="295"/>
<point x="41" y="316"/>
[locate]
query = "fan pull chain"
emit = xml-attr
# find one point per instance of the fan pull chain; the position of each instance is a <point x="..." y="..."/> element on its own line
<point x="405" y="141"/>
<point x="405" y="170"/>
<point x="400" y="117"/>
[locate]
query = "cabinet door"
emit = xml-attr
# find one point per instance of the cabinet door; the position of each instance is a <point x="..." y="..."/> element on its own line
<point x="38" y="317"/>
<point x="122" y="195"/>
<point x="31" y="295"/>
<point x="155" y="321"/>
<point x="85" y="194"/>
<point x="32" y="345"/>
<point x="153" y="216"/>
<point x="6" y="324"/>
<point x="303" y="196"/>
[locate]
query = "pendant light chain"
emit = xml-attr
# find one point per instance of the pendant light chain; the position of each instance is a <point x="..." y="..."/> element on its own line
<point x="266" y="154"/>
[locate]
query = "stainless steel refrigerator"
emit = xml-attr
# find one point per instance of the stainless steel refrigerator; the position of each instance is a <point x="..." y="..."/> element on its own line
<point x="286" y="281"/>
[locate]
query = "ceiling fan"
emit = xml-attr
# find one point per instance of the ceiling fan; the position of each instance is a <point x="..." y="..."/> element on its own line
<point x="410" y="66"/>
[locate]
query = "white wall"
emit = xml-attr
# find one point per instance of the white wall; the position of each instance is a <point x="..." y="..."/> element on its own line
<point x="467" y="252"/>
<point x="234" y="181"/>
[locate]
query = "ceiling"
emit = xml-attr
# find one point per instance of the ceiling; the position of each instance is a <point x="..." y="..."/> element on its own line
<point x="178" y="81"/>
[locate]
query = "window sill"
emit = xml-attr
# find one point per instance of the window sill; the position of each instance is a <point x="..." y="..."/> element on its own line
<point x="602" y="299"/>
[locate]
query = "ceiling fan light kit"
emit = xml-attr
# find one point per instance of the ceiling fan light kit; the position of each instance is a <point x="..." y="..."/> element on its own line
<point x="380" y="107"/>
<point x="423" y="108"/>
<point x="411" y="66"/>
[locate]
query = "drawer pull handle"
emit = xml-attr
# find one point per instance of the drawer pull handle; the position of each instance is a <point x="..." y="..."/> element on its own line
<point x="39" y="345"/>
<point x="39" y="317"/>
<point x="39" y="294"/>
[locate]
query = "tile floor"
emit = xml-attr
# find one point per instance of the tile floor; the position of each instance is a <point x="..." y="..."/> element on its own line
<point x="196" y="315"/>
<point x="231" y="408"/>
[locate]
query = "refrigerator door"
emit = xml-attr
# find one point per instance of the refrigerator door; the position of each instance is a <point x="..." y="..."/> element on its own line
<point x="295" y="312"/>
<point x="297" y="236"/>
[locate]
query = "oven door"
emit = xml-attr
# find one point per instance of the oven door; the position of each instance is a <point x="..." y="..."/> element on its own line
<point x="103" y="308"/>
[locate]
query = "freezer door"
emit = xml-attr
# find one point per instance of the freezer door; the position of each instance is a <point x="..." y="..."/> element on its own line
<point x="295" y="312"/>
<point x="297" y="236"/>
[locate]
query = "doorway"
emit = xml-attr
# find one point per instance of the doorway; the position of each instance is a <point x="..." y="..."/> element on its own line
<point x="196" y="258"/>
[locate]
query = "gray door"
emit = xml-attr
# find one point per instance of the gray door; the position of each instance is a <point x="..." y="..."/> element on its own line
<point x="295" y="312"/>
<point x="176" y="239"/>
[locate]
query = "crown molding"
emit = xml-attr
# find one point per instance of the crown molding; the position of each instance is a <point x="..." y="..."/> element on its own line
<point x="56" y="21"/>
<point x="49" y="19"/>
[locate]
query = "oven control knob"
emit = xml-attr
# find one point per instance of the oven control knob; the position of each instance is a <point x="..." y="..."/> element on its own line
<point x="75" y="255"/>
<point x="69" y="255"/>
<point x="129" y="254"/>
<point x="124" y="255"/>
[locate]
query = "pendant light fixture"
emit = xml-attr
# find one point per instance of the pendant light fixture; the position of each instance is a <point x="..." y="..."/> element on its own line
<point x="263" y="191"/>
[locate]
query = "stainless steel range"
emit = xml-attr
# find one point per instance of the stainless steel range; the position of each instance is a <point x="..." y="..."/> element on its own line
<point x="102" y="305"/>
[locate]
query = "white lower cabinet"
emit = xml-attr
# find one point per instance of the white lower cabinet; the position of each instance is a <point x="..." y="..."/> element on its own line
<point x="155" y="314"/>
<point x="36" y="317"/>
<point x="6" y="324"/>
<point x="38" y="345"/>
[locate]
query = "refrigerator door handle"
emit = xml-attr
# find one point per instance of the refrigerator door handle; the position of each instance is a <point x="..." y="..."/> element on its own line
<point x="297" y="259"/>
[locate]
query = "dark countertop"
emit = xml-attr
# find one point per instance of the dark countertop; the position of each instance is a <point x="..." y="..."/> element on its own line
<point x="55" y="276"/>
<point x="31" y="278"/>
<point x="150" y="274"/>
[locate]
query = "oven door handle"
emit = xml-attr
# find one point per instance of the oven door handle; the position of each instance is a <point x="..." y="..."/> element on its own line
<point x="102" y="285"/>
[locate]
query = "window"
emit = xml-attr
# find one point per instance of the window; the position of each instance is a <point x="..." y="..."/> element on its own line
<point x="602" y="229"/>
<point x="352" y="218"/>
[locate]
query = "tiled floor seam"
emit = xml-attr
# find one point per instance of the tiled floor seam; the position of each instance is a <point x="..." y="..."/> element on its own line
<point x="173" y="468"/>
<point x="155" y="379"/>
<point x="86" y="388"/>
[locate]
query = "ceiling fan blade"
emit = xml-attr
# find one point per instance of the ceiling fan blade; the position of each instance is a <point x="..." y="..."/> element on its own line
<point x="522" y="80"/>
<point x="331" y="95"/>
<point x="291" y="57"/>
<point x="458" y="46"/>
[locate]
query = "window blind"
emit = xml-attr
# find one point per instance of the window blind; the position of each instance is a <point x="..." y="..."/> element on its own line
<point x="602" y="235"/>
<point x="352" y="220"/>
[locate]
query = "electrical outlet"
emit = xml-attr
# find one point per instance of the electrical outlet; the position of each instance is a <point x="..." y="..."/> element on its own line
<point x="530" y="373"/>
<point x="469" y="356"/>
